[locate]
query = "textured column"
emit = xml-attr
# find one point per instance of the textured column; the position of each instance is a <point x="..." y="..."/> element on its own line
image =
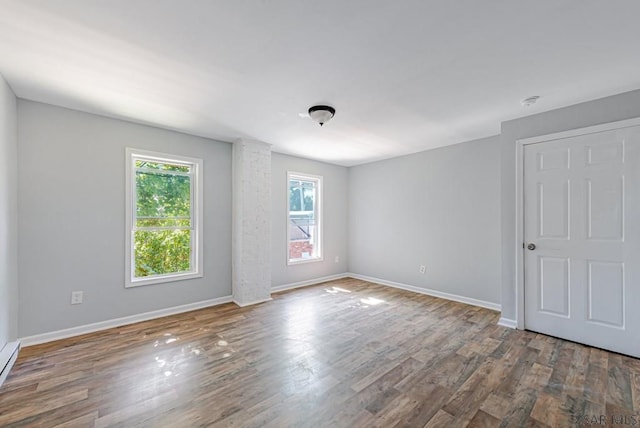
<point x="251" y="235"/>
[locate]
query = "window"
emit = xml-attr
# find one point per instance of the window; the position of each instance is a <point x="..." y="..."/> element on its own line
<point x="164" y="212"/>
<point x="304" y="214"/>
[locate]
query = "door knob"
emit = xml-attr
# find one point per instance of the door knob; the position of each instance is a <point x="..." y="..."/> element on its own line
<point x="531" y="246"/>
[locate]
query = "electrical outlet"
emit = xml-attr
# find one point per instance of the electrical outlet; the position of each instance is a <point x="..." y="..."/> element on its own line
<point x="423" y="268"/>
<point x="337" y="259"/>
<point x="76" y="297"/>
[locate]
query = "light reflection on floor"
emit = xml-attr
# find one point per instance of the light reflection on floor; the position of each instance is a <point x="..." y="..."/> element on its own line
<point x="363" y="303"/>
<point x="302" y="348"/>
<point x="335" y="290"/>
<point x="300" y="327"/>
<point x="170" y="361"/>
<point x="372" y="301"/>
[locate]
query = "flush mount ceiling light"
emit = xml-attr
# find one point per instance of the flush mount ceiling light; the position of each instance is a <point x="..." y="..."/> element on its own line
<point x="321" y="114"/>
<point x="530" y="101"/>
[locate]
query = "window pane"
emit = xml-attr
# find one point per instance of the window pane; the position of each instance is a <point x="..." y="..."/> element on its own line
<point x="162" y="252"/>
<point x="303" y="221"/>
<point x="303" y="236"/>
<point x="295" y="199"/>
<point x="162" y="195"/>
<point x="309" y="195"/>
<point x="301" y="195"/>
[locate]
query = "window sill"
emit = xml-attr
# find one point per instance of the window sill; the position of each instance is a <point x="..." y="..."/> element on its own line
<point x="162" y="279"/>
<point x="304" y="261"/>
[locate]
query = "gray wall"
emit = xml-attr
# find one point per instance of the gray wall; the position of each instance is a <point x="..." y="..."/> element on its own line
<point x="8" y="215"/>
<point x="335" y="207"/>
<point x="440" y="208"/>
<point x="452" y="209"/>
<point x="604" y="110"/>
<point x="72" y="232"/>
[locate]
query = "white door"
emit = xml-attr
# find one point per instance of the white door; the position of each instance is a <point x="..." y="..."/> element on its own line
<point x="582" y="230"/>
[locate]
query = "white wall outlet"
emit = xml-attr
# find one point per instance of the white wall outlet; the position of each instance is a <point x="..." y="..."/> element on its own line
<point x="76" y="297"/>
<point x="423" y="268"/>
<point x="337" y="259"/>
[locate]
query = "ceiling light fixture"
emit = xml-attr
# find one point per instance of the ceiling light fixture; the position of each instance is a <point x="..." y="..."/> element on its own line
<point x="530" y="101"/>
<point x="321" y="114"/>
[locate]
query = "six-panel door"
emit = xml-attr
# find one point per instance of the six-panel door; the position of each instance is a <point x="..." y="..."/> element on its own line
<point x="582" y="213"/>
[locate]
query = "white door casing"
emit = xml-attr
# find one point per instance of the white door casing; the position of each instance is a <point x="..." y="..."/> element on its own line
<point x="582" y="213"/>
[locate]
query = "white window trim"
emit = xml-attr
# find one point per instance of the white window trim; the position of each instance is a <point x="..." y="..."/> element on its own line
<point x="318" y="210"/>
<point x="197" y="214"/>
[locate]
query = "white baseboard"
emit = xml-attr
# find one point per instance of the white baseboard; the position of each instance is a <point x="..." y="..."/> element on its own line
<point x="509" y="323"/>
<point x="117" y="322"/>
<point x="314" y="281"/>
<point x="429" y="292"/>
<point x="255" y="302"/>
<point x="8" y="357"/>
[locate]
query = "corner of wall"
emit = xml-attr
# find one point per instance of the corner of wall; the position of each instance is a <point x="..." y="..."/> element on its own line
<point x="8" y="213"/>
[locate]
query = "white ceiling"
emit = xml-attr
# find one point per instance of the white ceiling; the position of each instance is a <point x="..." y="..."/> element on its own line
<point x="403" y="75"/>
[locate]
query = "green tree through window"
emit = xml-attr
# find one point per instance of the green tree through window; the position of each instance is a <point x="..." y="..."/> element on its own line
<point x="163" y="219"/>
<point x="163" y="228"/>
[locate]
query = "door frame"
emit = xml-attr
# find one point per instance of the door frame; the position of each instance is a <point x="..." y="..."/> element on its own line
<point x="519" y="242"/>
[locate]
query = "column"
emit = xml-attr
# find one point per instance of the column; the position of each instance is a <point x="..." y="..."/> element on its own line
<point x="251" y="233"/>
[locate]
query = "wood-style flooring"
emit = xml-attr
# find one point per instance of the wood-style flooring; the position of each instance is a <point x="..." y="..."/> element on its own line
<point x="345" y="353"/>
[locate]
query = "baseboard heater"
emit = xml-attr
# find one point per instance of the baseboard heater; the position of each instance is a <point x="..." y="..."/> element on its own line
<point x="8" y="356"/>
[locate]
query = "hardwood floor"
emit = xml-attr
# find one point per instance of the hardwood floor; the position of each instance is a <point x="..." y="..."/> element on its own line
<point x="341" y="354"/>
